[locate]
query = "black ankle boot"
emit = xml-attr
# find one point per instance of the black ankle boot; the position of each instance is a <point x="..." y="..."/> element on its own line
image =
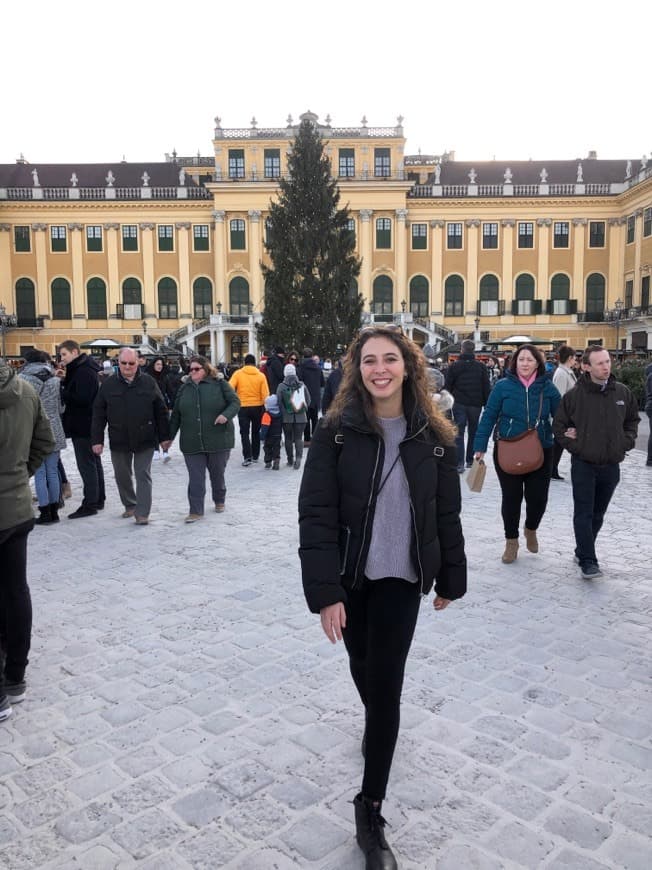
<point x="54" y="512"/>
<point x="369" y="833"/>
<point x="45" y="518"/>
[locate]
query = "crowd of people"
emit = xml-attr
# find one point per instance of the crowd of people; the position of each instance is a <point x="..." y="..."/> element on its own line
<point x="380" y="495"/>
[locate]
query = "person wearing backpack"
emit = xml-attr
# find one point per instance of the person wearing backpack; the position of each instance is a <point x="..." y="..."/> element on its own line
<point x="294" y="399"/>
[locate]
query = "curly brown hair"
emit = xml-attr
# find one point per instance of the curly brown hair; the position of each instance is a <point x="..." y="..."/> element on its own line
<point x="415" y="386"/>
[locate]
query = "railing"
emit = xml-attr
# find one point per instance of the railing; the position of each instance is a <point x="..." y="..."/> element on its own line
<point x="327" y="132"/>
<point x="591" y="317"/>
<point x="253" y="175"/>
<point x="614" y="315"/>
<point x="129" y="310"/>
<point x="436" y="191"/>
<point x="103" y="193"/>
<point x="29" y="323"/>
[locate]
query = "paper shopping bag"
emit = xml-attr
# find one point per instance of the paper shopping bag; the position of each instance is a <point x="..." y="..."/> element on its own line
<point x="475" y="477"/>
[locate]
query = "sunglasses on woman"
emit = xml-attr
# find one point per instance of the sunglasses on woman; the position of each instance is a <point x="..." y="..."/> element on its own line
<point x="379" y="328"/>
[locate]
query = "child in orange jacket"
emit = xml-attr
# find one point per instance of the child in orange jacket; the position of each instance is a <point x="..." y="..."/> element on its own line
<point x="270" y="432"/>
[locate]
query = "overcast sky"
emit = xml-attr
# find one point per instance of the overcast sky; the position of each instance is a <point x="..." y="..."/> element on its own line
<point x="510" y="79"/>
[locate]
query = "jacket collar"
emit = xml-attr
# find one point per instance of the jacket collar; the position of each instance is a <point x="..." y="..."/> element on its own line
<point x="354" y="418"/>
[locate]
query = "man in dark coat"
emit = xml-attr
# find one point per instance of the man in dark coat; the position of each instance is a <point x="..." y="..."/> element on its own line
<point x="467" y="380"/>
<point x="597" y="422"/>
<point x="648" y="411"/>
<point x="274" y="368"/>
<point x="78" y="392"/>
<point x="312" y="376"/>
<point x="132" y="404"/>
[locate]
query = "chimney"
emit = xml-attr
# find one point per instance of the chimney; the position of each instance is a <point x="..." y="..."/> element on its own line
<point x="593" y="155"/>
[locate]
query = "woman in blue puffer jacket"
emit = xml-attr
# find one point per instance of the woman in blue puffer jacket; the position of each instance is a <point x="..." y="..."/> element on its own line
<point x="513" y="405"/>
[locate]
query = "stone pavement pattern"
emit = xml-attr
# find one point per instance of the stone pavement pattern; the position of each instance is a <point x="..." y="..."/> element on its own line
<point x="184" y="710"/>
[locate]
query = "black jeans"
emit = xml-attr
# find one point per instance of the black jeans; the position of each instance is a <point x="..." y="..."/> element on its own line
<point x="312" y="413"/>
<point x="593" y="486"/>
<point x="557" y="451"/>
<point x="272" y="448"/>
<point x="465" y="415"/>
<point x="649" y="440"/>
<point x="534" y="486"/>
<point x="91" y="471"/>
<point x="15" y="602"/>
<point x="249" y="419"/>
<point x="380" y="620"/>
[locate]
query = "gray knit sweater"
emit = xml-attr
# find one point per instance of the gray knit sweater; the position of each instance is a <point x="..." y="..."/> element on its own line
<point x="48" y="387"/>
<point x="389" y="552"/>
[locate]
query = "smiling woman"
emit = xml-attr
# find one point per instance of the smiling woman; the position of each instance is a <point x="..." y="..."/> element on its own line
<point x="379" y="526"/>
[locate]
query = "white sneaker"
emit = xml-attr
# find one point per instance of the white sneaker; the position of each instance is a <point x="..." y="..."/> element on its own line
<point x="166" y="457"/>
<point x="157" y="455"/>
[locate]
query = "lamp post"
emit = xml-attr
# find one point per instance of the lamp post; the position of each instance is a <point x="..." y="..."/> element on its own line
<point x="403" y="306"/>
<point x="476" y="334"/>
<point x="618" y="305"/>
<point x="219" y="307"/>
<point x="6" y="320"/>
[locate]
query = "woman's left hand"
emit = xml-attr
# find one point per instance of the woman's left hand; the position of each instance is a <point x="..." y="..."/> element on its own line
<point x="441" y="603"/>
<point x="221" y="420"/>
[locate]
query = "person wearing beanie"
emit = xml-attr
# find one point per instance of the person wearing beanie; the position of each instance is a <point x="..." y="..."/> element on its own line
<point x="293" y="400"/>
<point x="271" y="430"/>
<point x="250" y="385"/>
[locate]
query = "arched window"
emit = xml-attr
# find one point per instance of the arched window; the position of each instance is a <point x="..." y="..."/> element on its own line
<point x="524" y="292"/>
<point x="454" y="296"/>
<point x="489" y="303"/>
<point x="202" y="298"/>
<point x="61" y="308"/>
<point x="96" y="299"/>
<point x="595" y="292"/>
<point x="239" y="297"/>
<point x="25" y="302"/>
<point x="559" y="302"/>
<point x="167" y="299"/>
<point x="419" y="296"/>
<point x="382" y="303"/>
<point x="132" y="292"/>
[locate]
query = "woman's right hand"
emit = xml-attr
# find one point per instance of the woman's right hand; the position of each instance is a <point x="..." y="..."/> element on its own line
<point x="333" y="620"/>
<point x="478" y="455"/>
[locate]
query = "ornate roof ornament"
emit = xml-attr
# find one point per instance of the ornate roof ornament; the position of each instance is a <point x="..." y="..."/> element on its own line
<point x="145" y="179"/>
<point x="580" y="173"/>
<point x="110" y="179"/>
<point x="628" y="170"/>
<point x="74" y="180"/>
<point x="543" y="175"/>
<point x="35" y="180"/>
<point x="507" y="176"/>
<point x="472" y="176"/>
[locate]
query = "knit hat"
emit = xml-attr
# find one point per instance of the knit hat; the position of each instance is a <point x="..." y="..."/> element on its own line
<point x="289" y="370"/>
<point x="271" y="403"/>
<point x="435" y="379"/>
<point x="279" y="349"/>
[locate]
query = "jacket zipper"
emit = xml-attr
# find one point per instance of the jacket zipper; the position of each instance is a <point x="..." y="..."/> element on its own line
<point x="414" y="520"/>
<point x="201" y="437"/>
<point x="366" y="522"/>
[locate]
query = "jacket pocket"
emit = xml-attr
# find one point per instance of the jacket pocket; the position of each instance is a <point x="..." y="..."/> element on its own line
<point x="345" y="541"/>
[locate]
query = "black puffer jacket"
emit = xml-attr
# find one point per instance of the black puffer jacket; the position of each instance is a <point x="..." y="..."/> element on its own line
<point x="78" y="393"/>
<point x="337" y="502"/>
<point x="606" y="421"/>
<point x="468" y="381"/>
<point x="135" y="412"/>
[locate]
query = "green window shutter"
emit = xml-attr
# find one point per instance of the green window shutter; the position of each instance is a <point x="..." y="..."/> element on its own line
<point x="200" y="237"/>
<point x="129" y="237"/>
<point x="61" y="307"/>
<point x="22" y="241"/>
<point x="237" y="233"/>
<point x="96" y="299"/>
<point x="165" y="233"/>
<point x="167" y="299"/>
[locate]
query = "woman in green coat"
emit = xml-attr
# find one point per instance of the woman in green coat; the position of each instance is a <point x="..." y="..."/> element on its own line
<point x="203" y="414"/>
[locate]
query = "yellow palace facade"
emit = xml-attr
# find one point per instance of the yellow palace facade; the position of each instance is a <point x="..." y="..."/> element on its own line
<point x="167" y="255"/>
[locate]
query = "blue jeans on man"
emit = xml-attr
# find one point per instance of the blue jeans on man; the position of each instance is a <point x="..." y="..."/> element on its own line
<point x="593" y="486"/>
<point x="465" y="415"/>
